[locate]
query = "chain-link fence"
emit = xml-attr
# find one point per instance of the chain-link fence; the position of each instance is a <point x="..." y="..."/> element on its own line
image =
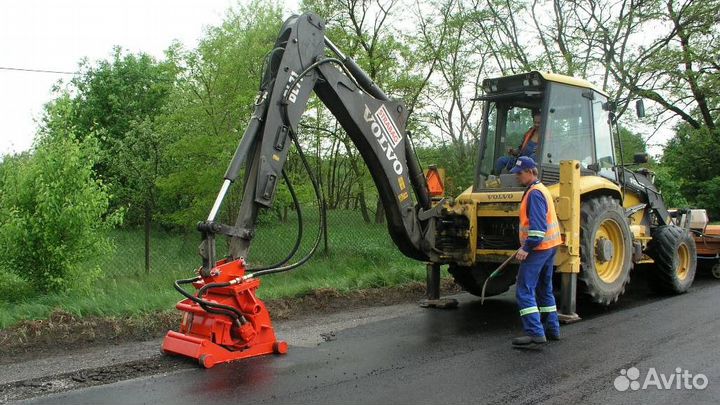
<point x="348" y="234"/>
<point x="354" y="229"/>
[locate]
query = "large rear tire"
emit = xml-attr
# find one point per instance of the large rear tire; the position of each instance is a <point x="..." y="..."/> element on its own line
<point x="471" y="279"/>
<point x="675" y="255"/>
<point x="605" y="249"/>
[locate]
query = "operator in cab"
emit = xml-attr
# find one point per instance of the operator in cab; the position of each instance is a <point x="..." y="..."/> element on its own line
<point x="539" y="236"/>
<point x="528" y="147"/>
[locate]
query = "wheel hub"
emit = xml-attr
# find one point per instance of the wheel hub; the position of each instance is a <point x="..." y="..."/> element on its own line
<point x="604" y="250"/>
<point x="683" y="267"/>
<point x="609" y="255"/>
<point x="716" y="270"/>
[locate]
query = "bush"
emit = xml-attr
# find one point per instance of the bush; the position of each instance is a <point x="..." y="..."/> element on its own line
<point x="13" y="288"/>
<point x="52" y="214"/>
<point x="692" y="155"/>
<point x="671" y="187"/>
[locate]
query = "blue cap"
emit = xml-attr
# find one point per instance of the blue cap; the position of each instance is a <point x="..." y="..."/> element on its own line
<point x="523" y="163"/>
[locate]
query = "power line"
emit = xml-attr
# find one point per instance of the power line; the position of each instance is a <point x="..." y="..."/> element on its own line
<point x="36" y="70"/>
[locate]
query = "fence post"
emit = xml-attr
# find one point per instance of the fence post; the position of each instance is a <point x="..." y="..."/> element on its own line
<point x="325" y="226"/>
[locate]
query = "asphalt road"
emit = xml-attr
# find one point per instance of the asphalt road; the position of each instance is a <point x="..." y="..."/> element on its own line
<point x="408" y="355"/>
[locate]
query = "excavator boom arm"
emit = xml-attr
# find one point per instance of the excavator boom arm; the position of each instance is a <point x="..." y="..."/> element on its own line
<point x="298" y="66"/>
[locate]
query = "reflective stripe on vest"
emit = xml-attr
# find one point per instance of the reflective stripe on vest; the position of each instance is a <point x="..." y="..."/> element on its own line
<point x="551" y="237"/>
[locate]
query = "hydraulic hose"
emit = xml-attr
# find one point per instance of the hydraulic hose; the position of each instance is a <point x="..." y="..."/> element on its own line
<point x="294" y="250"/>
<point x="290" y="255"/>
<point x="308" y="169"/>
<point x="208" y="306"/>
<point x="320" y="200"/>
<point x="294" y="83"/>
<point x="298" y="239"/>
<point x="208" y="286"/>
<point x="280" y="267"/>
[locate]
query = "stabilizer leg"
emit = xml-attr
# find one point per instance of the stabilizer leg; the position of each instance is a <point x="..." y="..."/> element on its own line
<point x="568" y="290"/>
<point x="432" y="294"/>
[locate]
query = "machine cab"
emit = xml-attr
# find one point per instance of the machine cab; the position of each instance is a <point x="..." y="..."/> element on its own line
<point x="574" y="125"/>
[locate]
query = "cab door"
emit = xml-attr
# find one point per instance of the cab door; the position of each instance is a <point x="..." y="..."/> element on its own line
<point x="604" y="144"/>
<point x="568" y="130"/>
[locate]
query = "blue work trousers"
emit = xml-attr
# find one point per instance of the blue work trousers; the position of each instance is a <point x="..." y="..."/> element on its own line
<point x="504" y="162"/>
<point x="535" y="280"/>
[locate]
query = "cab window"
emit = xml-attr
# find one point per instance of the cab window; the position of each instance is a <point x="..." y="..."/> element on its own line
<point x="568" y="134"/>
<point x="603" y="138"/>
<point x="518" y="122"/>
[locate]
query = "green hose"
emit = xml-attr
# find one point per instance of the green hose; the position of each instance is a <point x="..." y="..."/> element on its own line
<point x="493" y="275"/>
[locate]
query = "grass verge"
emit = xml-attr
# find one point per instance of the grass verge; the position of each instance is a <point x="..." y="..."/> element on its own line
<point x="360" y="256"/>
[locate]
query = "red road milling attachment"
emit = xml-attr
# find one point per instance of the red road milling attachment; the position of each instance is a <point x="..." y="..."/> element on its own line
<point x="224" y="321"/>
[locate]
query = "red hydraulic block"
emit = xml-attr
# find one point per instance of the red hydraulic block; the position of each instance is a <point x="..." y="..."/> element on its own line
<point x="216" y="338"/>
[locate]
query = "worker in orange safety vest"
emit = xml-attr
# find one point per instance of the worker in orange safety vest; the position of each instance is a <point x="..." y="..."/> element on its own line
<point x="539" y="237"/>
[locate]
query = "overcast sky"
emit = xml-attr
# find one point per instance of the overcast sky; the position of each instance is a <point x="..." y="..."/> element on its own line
<point x="56" y="34"/>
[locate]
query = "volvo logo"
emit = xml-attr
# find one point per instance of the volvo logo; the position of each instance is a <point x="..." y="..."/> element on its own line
<point x="503" y="196"/>
<point x="382" y="136"/>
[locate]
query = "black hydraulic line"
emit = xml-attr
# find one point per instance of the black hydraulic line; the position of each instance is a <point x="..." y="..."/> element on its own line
<point x="318" y="192"/>
<point x="313" y="180"/>
<point x="298" y="239"/>
<point x="304" y="73"/>
<point x="359" y="77"/>
<point x="292" y="253"/>
<point x="229" y="314"/>
<point x="265" y="80"/>
<point x="308" y="169"/>
<point x="294" y="250"/>
<point x="208" y="286"/>
<point x="266" y="60"/>
<point x="208" y="306"/>
<point x="320" y="200"/>
<point x="211" y="307"/>
<point x="202" y="303"/>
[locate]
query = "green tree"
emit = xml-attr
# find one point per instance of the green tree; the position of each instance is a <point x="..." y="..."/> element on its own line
<point x="114" y="94"/>
<point x="452" y="112"/>
<point x="632" y="143"/>
<point x="692" y="157"/>
<point x="671" y="187"/>
<point x="210" y="109"/>
<point x="665" y="51"/>
<point x="369" y="33"/>
<point x="120" y="100"/>
<point x="53" y="213"/>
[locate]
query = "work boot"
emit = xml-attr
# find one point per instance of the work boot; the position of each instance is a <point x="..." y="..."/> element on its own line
<point x="550" y="336"/>
<point x="528" y="341"/>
